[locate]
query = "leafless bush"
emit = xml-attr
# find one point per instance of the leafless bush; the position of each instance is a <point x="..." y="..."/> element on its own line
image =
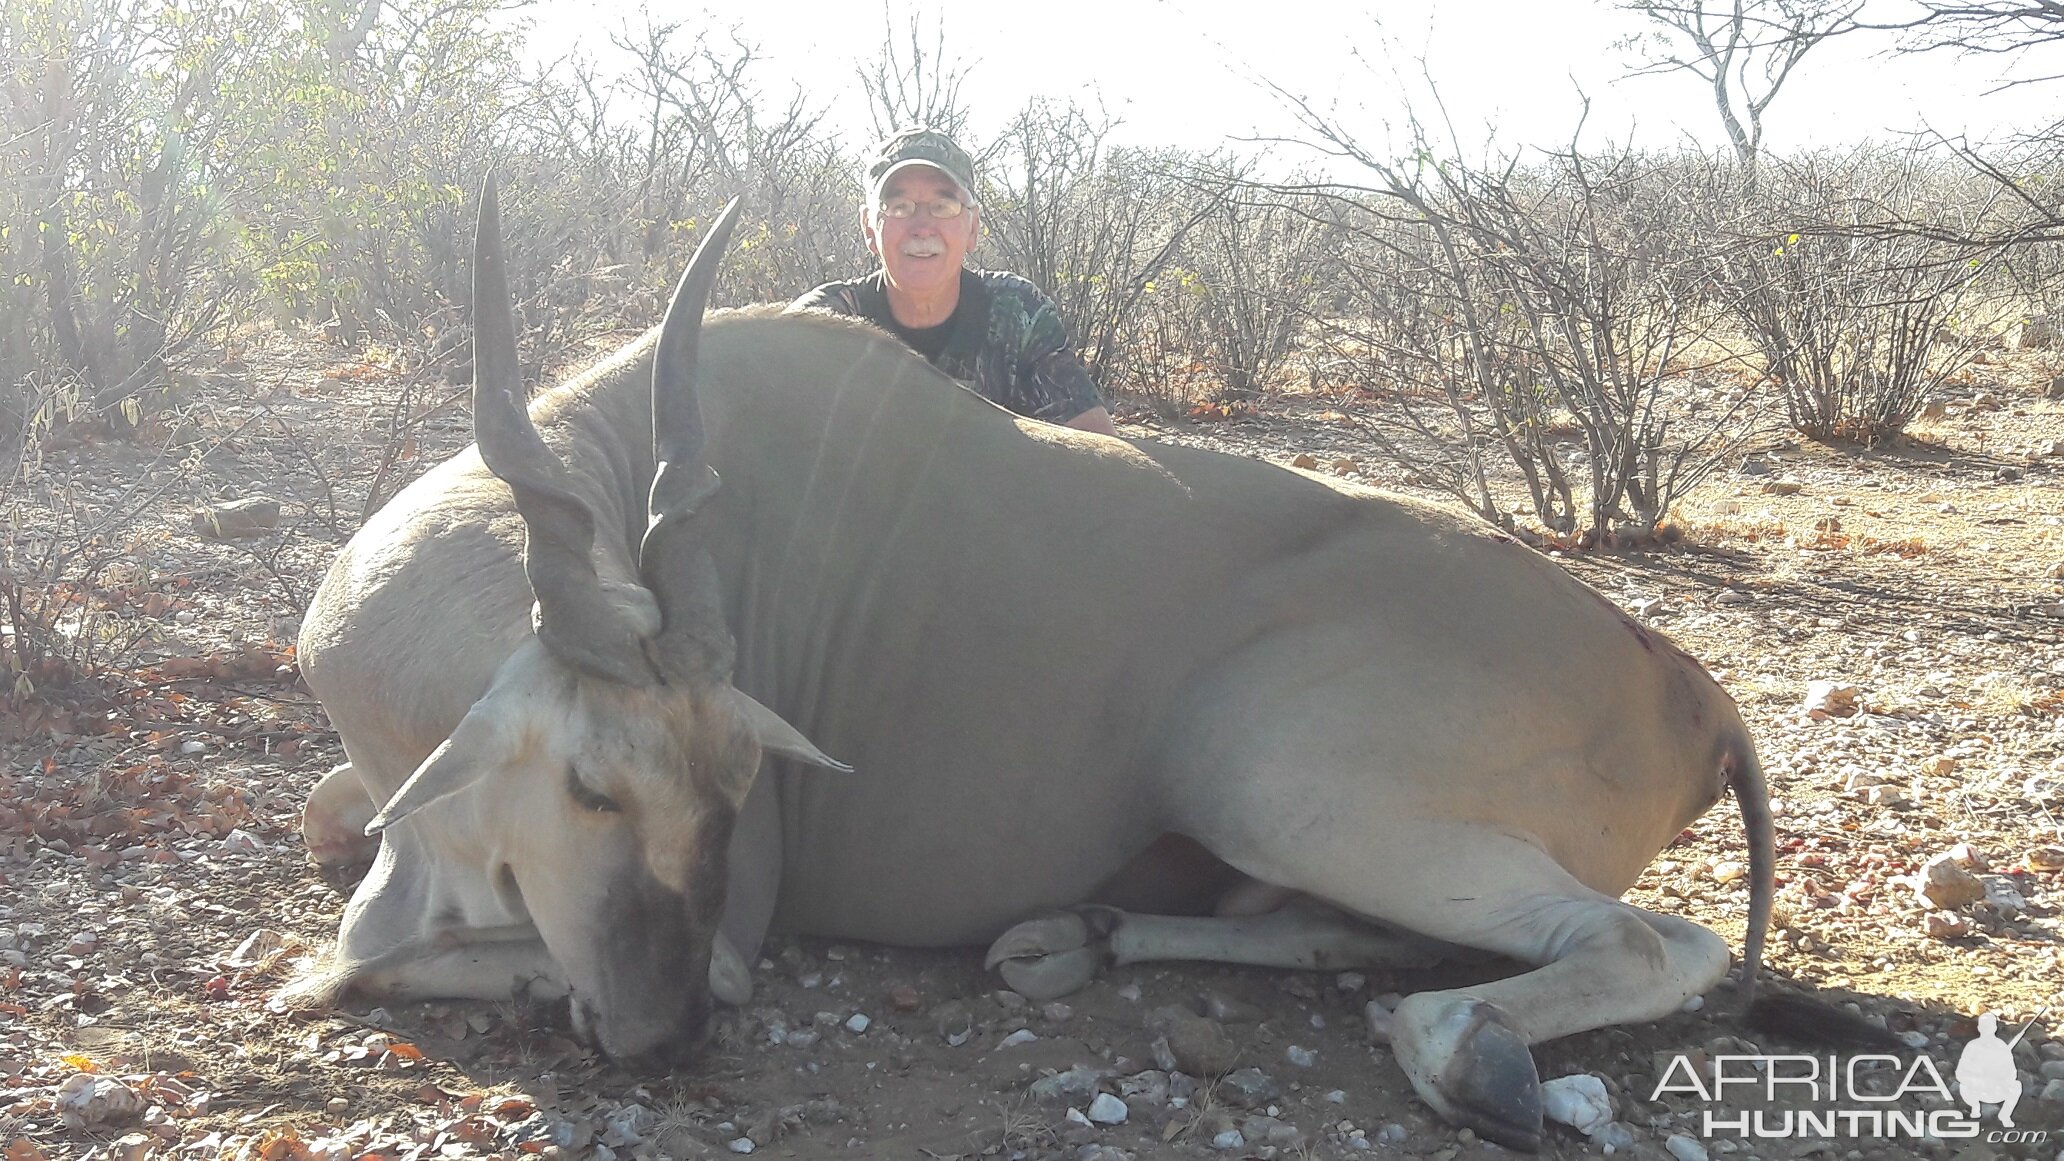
<point x="1542" y="312"/>
<point x="1853" y="316"/>
<point x="1093" y="227"/>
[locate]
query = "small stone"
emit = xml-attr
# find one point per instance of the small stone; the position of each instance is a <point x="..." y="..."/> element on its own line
<point x="1613" y="1137"/>
<point x="193" y="746"/>
<point x="905" y="999"/>
<point x="1071" y="1087"/>
<point x="2052" y="1093"/>
<point x="1300" y="1056"/>
<point x="1785" y="487"/>
<point x="858" y="1023"/>
<point x="1934" y="409"/>
<point x="1076" y="1117"/>
<point x="1946" y="925"/>
<point x="2007" y="475"/>
<point x="1345" y="466"/>
<point x="255" y="948"/>
<point x="1914" y="1038"/>
<point x="1693" y="1004"/>
<point x="1057" y="1012"/>
<point x="1196" y="1045"/>
<point x="1392" y="1134"/>
<point x="2003" y="895"/>
<point x="252" y="516"/>
<point x="1228" y="1140"/>
<point x="1304" y="460"/>
<point x="2044" y="859"/>
<point x="87" y="1099"/>
<point x="1684" y="1148"/>
<point x="954" y="1022"/>
<point x="1108" y="1110"/>
<point x="1829" y="699"/>
<point x="1732" y="597"/>
<point x="1944" y="885"/>
<point x="1350" y="981"/>
<point x="133" y="1147"/>
<point x="1753" y="468"/>
<point x="1130" y="993"/>
<point x="1250" y="1087"/>
<point x="1579" y="1101"/>
<point x="1379" y="1018"/>
<point x="1021" y="1036"/>
<point x="337" y="1106"/>
<point x="1728" y="872"/>
<point x="741" y="1145"/>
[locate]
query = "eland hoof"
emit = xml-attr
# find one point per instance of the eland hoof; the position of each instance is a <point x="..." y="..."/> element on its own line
<point x="1465" y="1059"/>
<point x="1048" y="957"/>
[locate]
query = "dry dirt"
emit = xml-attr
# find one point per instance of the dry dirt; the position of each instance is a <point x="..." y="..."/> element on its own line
<point x="145" y="837"/>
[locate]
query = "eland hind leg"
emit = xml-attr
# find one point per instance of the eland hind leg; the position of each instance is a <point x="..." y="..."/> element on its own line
<point x="1599" y="961"/>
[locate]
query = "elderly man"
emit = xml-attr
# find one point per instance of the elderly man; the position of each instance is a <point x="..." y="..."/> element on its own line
<point x="994" y="332"/>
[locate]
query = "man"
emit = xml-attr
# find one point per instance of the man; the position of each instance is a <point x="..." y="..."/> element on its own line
<point x="994" y="332"/>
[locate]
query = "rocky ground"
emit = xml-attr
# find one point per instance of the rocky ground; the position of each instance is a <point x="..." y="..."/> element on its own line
<point x="1888" y="619"/>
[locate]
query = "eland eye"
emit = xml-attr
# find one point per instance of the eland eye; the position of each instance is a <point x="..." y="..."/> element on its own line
<point x="588" y="799"/>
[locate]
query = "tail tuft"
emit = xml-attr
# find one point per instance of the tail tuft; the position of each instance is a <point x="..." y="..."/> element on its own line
<point x="1817" y="1023"/>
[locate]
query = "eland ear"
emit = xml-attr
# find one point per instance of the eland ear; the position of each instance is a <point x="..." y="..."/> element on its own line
<point x="778" y="737"/>
<point x="456" y="764"/>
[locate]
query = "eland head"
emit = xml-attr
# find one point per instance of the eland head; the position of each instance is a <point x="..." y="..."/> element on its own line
<point x="602" y="771"/>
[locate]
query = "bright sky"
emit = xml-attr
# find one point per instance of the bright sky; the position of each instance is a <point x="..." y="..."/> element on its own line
<point x="1188" y="72"/>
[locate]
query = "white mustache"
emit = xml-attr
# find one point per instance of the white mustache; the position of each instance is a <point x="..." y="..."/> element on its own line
<point x="923" y="247"/>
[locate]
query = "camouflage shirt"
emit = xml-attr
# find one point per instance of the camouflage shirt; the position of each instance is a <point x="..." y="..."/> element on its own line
<point x="1004" y="340"/>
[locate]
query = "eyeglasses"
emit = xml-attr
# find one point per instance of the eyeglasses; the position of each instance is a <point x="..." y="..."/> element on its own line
<point x="940" y="208"/>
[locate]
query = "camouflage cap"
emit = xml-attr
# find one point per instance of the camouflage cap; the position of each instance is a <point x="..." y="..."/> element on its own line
<point x="919" y="147"/>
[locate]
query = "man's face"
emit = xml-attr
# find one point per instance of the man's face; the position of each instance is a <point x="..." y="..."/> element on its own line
<point x="921" y="253"/>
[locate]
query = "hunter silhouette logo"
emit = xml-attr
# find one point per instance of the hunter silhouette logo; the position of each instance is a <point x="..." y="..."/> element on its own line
<point x="1985" y="1073"/>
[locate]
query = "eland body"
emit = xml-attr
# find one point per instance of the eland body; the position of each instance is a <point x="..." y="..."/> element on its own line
<point x="1078" y="681"/>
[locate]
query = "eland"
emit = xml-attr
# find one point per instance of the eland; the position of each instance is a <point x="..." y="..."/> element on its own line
<point x="1103" y="702"/>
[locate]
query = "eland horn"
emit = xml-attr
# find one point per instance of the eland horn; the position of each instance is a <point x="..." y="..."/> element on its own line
<point x="574" y="617"/>
<point x="694" y="643"/>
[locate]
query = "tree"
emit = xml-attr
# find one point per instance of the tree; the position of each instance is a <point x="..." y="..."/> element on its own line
<point x="1744" y="51"/>
<point x="1990" y="27"/>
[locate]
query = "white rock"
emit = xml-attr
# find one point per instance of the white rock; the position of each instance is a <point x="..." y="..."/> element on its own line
<point x="1379" y="1021"/>
<point x="1075" y="1117"/>
<point x="1685" y="1148"/>
<point x="86" y="1099"/>
<point x="742" y="1145"/>
<point x="1300" y="1056"/>
<point x="1727" y="871"/>
<point x="1021" y="1036"/>
<point x="1693" y="1004"/>
<point x="858" y="1022"/>
<point x="1108" y="1110"/>
<point x="193" y="746"/>
<point x="1579" y="1101"/>
<point x="1228" y="1141"/>
<point x="1944" y="885"/>
<point x="255" y="947"/>
<point x="1825" y="698"/>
